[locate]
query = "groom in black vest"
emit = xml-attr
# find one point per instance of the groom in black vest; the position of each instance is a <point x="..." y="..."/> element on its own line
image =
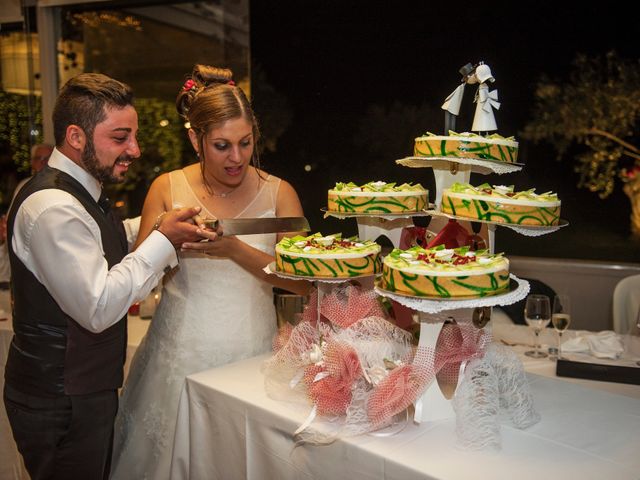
<point x="73" y="281"/>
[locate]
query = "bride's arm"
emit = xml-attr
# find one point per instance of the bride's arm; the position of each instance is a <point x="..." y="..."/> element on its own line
<point x="156" y="203"/>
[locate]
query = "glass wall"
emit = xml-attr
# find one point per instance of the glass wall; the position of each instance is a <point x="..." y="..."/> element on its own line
<point x="150" y="45"/>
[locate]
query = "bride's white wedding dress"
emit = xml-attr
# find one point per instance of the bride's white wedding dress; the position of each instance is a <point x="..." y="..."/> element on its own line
<point x="212" y="312"/>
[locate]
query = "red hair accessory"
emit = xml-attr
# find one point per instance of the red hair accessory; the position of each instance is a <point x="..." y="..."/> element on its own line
<point x="232" y="83"/>
<point x="189" y="85"/>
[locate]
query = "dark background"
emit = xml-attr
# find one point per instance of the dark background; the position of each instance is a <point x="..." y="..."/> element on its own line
<point x="363" y="79"/>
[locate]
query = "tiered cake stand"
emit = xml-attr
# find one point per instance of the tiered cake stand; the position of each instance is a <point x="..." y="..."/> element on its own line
<point x="435" y="402"/>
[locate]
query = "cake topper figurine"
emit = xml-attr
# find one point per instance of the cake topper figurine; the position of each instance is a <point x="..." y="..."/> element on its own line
<point x="486" y="101"/>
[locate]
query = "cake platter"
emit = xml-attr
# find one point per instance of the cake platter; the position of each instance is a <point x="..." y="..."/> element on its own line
<point x="271" y="270"/>
<point x="474" y="164"/>
<point x="527" y="230"/>
<point x="518" y="289"/>
<point x="386" y="216"/>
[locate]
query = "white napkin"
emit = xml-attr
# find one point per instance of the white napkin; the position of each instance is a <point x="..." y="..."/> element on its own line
<point x="605" y="344"/>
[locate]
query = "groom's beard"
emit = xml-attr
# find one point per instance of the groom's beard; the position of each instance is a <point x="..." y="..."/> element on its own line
<point x="104" y="174"/>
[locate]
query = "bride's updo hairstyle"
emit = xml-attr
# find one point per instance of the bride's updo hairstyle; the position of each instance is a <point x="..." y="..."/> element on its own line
<point x="208" y="98"/>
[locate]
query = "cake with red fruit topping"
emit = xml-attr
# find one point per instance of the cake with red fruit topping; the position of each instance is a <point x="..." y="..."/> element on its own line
<point x="501" y="204"/>
<point x="494" y="147"/>
<point x="445" y="273"/>
<point x="377" y="197"/>
<point x="328" y="256"/>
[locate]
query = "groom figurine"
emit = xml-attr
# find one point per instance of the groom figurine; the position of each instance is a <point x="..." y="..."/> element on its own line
<point x="73" y="282"/>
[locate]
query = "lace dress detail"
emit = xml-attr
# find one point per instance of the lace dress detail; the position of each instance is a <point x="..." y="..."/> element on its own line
<point x="204" y="320"/>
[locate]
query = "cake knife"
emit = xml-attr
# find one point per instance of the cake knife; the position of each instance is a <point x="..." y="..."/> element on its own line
<point x="248" y="226"/>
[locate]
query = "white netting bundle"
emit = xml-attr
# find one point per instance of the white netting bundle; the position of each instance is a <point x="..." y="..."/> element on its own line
<point x="494" y="387"/>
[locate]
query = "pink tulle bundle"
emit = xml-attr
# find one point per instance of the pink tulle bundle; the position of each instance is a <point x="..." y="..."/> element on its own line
<point x="393" y="394"/>
<point x="343" y="307"/>
<point x="458" y="343"/>
<point x="330" y="384"/>
<point x="353" y="363"/>
<point x="341" y="362"/>
<point x="330" y="395"/>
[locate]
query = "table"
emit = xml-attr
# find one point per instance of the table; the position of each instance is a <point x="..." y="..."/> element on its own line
<point x="11" y="465"/>
<point x="229" y="428"/>
<point x="520" y="339"/>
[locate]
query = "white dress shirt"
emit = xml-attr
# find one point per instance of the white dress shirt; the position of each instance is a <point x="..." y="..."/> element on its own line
<point x="60" y="243"/>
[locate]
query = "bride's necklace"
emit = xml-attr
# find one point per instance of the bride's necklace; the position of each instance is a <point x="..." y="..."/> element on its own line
<point x="213" y="193"/>
<point x="224" y="194"/>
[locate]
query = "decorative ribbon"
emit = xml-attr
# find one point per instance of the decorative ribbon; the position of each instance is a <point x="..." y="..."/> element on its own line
<point x="488" y="99"/>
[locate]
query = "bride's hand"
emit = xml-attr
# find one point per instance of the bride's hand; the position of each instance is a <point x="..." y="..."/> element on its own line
<point x="217" y="246"/>
<point x="208" y="229"/>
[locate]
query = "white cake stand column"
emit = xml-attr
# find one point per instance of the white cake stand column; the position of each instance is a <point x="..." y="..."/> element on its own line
<point x="444" y="178"/>
<point x="433" y="404"/>
<point x="370" y="228"/>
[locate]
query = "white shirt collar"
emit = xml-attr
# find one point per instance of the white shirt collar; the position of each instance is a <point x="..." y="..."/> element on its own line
<point x="60" y="161"/>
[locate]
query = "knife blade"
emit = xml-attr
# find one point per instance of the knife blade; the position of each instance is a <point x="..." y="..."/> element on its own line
<point x="248" y="226"/>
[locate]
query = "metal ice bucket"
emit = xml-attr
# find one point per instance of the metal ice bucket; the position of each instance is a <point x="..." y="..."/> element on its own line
<point x="288" y="305"/>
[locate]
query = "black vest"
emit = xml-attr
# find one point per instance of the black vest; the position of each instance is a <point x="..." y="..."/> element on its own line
<point x="51" y="354"/>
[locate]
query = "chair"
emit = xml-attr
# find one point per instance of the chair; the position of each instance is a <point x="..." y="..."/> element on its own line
<point x="626" y="303"/>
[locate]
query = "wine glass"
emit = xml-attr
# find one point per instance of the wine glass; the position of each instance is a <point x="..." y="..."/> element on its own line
<point x="537" y="314"/>
<point x="561" y="317"/>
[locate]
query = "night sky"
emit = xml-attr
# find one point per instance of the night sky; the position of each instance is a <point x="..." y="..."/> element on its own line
<point x="333" y="61"/>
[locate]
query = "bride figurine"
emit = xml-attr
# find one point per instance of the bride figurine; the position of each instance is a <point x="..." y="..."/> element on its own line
<point x="486" y="101"/>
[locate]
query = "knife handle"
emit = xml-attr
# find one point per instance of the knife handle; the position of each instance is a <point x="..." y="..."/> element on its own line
<point x="211" y="223"/>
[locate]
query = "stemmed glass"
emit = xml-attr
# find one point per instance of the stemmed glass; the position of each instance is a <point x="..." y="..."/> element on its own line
<point x="537" y="314"/>
<point x="561" y="317"/>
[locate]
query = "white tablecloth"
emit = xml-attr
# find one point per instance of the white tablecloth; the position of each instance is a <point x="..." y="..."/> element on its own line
<point x="229" y="429"/>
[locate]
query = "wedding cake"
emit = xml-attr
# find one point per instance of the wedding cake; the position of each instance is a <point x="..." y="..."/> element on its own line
<point x="445" y="273"/>
<point x="328" y="256"/>
<point x="377" y="197"/>
<point x="501" y="204"/>
<point x="466" y="146"/>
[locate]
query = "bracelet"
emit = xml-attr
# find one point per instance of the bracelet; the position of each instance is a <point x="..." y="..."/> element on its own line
<point x="156" y="225"/>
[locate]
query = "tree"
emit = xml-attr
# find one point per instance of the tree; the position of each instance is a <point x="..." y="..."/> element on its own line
<point x="596" y="111"/>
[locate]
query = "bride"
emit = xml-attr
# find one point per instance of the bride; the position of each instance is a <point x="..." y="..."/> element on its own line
<point x="217" y="305"/>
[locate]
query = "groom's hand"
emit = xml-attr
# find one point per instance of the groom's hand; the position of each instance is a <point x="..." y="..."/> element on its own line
<point x="179" y="227"/>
